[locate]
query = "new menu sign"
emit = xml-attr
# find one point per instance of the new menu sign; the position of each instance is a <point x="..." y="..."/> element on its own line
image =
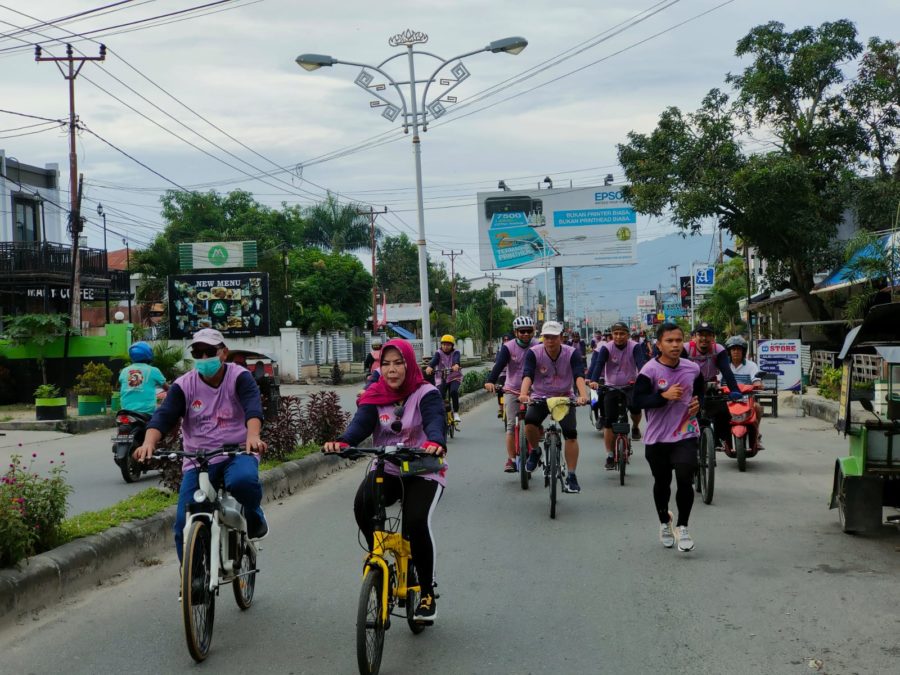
<point x="235" y="303"/>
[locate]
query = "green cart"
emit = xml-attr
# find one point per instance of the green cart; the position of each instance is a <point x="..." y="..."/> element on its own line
<point x="868" y="479"/>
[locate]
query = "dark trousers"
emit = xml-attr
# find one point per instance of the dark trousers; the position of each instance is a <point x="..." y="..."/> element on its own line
<point x="454" y="394"/>
<point x="419" y="498"/>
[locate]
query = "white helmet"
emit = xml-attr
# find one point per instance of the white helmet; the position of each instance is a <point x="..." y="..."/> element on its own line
<point x="523" y="322"/>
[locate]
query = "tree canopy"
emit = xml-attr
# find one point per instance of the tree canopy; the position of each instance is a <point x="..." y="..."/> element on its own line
<point x="778" y="163"/>
<point x="332" y="280"/>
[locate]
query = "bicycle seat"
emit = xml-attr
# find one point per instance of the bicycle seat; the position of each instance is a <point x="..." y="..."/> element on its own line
<point x="558" y="407"/>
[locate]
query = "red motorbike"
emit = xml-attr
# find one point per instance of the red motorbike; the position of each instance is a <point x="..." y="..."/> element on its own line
<point x="744" y="440"/>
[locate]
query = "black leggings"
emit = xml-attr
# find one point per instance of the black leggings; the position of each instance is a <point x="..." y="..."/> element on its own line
<point x="662" y="488"/>
<point x="420" y="497"/>
<point x="454" y="394"/>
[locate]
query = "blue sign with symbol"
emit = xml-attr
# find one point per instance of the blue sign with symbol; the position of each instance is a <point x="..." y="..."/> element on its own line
<point x="704" y="278"/>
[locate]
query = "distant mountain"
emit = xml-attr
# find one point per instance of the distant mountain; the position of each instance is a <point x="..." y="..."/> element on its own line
<point x="615" y="289"/>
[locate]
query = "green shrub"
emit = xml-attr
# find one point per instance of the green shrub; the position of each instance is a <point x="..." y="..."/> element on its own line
<point x="830" y="383"/>
<point x="47" y="391"/>
<point x="32" y="508"/>
<point x="95" y="380"/>
<point x="474" y="380"/>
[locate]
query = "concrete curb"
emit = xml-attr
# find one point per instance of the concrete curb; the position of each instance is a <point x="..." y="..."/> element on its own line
<point x="70" y="425"/>
<point x="53" y="576"/>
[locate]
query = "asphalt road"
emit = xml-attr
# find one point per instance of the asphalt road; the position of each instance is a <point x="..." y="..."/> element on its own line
<point x="773" y="586"/>
<point x="94" y="477"/>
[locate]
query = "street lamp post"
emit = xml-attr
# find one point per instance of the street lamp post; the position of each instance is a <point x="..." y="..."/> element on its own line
<point x="102" y="214"/>
<point x="416" y="115"/>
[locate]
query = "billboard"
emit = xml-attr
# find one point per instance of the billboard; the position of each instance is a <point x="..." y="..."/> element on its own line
<point x="646" y="304"/>
<point x="216" y="255"/>
<point x="558" y="227"/>
<point x="235" y="303"/>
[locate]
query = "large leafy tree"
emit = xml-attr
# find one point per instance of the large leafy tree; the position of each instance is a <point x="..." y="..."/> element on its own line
<point x="720" y="307"/>
<point x="787" y="200"/>
<point x="336" y="280"/>
<point x="397" y="269"/>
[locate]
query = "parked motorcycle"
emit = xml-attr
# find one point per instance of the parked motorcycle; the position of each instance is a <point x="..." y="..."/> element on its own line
<point x="744" y="440"/>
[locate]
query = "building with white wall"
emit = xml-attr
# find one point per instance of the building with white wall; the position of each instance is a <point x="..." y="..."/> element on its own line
<point x="29" y="196"/>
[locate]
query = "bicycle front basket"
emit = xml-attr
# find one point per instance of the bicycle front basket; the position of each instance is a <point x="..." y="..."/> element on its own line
<point x="621" y="428"/>
<point x="421" y="465"/>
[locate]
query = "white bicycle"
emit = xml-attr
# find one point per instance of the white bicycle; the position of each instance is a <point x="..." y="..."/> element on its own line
<point x="217" y="551"/>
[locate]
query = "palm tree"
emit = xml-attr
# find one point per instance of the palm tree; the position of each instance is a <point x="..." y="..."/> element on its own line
<point x="468" y="320"/>
<point x="338" y="227"/>
<point x="327" y="319"/>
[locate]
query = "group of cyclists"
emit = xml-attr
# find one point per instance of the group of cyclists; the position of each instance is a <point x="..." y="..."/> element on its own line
<point x="667" y="379"/>
<point x="219" y="404"/>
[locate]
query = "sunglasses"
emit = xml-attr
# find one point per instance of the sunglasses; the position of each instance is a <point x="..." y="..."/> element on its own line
<point x="397" y="424"/>
<point x="204" y="352"/>
<point x="525" y="330"/>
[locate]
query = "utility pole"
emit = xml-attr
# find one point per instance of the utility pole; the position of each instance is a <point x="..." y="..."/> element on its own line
<point x="452" y="255"/>
<point x="492" y="276"/>
<point x="75" y="222"/>
<point x="372" y="213"/>
<point x="102" y="214"/>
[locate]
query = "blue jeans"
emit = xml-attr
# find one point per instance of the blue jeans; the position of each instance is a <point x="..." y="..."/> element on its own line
<point x="241" y="475"/>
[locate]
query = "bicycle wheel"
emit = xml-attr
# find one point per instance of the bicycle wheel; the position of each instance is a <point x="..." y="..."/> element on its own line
<point x="740" y="450"/>
<point x="553" y="462"/>
<point x="198" y="603"/>
<point x="245" y="584"/>
<point x="369" y="624"/>
<point x="451" y="428"/>
<point x="622" y="456"/>
<point x="522" y="449"/>
<point x="707" y="464"/>
<point x="412" y="599"/>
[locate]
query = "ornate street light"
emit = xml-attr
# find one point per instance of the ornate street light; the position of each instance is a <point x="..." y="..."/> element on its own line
<point x="414" y="113"/>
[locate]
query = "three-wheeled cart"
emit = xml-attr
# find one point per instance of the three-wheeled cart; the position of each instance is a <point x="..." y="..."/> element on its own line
<point x="868" y="479"/>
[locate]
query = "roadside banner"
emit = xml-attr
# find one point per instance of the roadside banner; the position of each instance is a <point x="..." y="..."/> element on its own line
<point x="782" y="357"/>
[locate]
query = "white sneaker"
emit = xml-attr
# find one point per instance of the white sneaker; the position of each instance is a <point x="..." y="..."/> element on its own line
<point x="456" y="417"/>
<point x="666" y="535"/>
<point x="685" y="543"/>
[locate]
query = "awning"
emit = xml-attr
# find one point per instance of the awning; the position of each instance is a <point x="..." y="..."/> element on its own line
<point x="844" y="276"/>
<point x="402" y="332"/>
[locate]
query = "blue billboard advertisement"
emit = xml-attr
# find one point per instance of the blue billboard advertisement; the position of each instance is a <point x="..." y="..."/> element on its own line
<point x="572" y="227"/>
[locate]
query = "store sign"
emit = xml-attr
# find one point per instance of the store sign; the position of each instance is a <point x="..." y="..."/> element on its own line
<point x="782" y="357"/>
<point x="684" y="284"/>
<point x="646" y="303"/>
<point x="217" y="255"/>
<point x="62" y="293"/>
<point x="235" y="303"/>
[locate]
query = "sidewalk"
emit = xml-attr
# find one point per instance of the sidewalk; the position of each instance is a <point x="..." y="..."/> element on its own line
<point x="817" y="406"/>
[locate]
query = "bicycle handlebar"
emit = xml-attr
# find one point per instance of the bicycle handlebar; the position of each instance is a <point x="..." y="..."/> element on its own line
<point x="229" y="450"/>
<point x="390" y="453"/>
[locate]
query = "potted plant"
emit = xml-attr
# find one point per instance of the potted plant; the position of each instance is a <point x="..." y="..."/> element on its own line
<point x="48" y="404"/>
<point x="94" y="389"/>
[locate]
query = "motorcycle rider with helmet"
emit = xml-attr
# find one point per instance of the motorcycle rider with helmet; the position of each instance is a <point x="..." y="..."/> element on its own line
<point x="138" y="380"/>
<point x="745" y="372"/>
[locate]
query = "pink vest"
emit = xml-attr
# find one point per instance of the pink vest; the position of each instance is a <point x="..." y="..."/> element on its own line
<point x="516" y="365"/>
<point x="213" y="416"/>
<point x="412" y="434"/>
<point x="707" y="362"/>
<point x="553" y="378"/>
<point x="620" y="367"/>
<point x="445" y="361"/>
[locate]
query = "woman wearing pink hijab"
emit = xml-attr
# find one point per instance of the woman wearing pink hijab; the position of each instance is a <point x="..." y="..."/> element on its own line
<point x="401" y="408"/>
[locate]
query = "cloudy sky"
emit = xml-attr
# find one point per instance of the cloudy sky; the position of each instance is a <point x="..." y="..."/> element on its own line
<point x="214" y="100"/>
